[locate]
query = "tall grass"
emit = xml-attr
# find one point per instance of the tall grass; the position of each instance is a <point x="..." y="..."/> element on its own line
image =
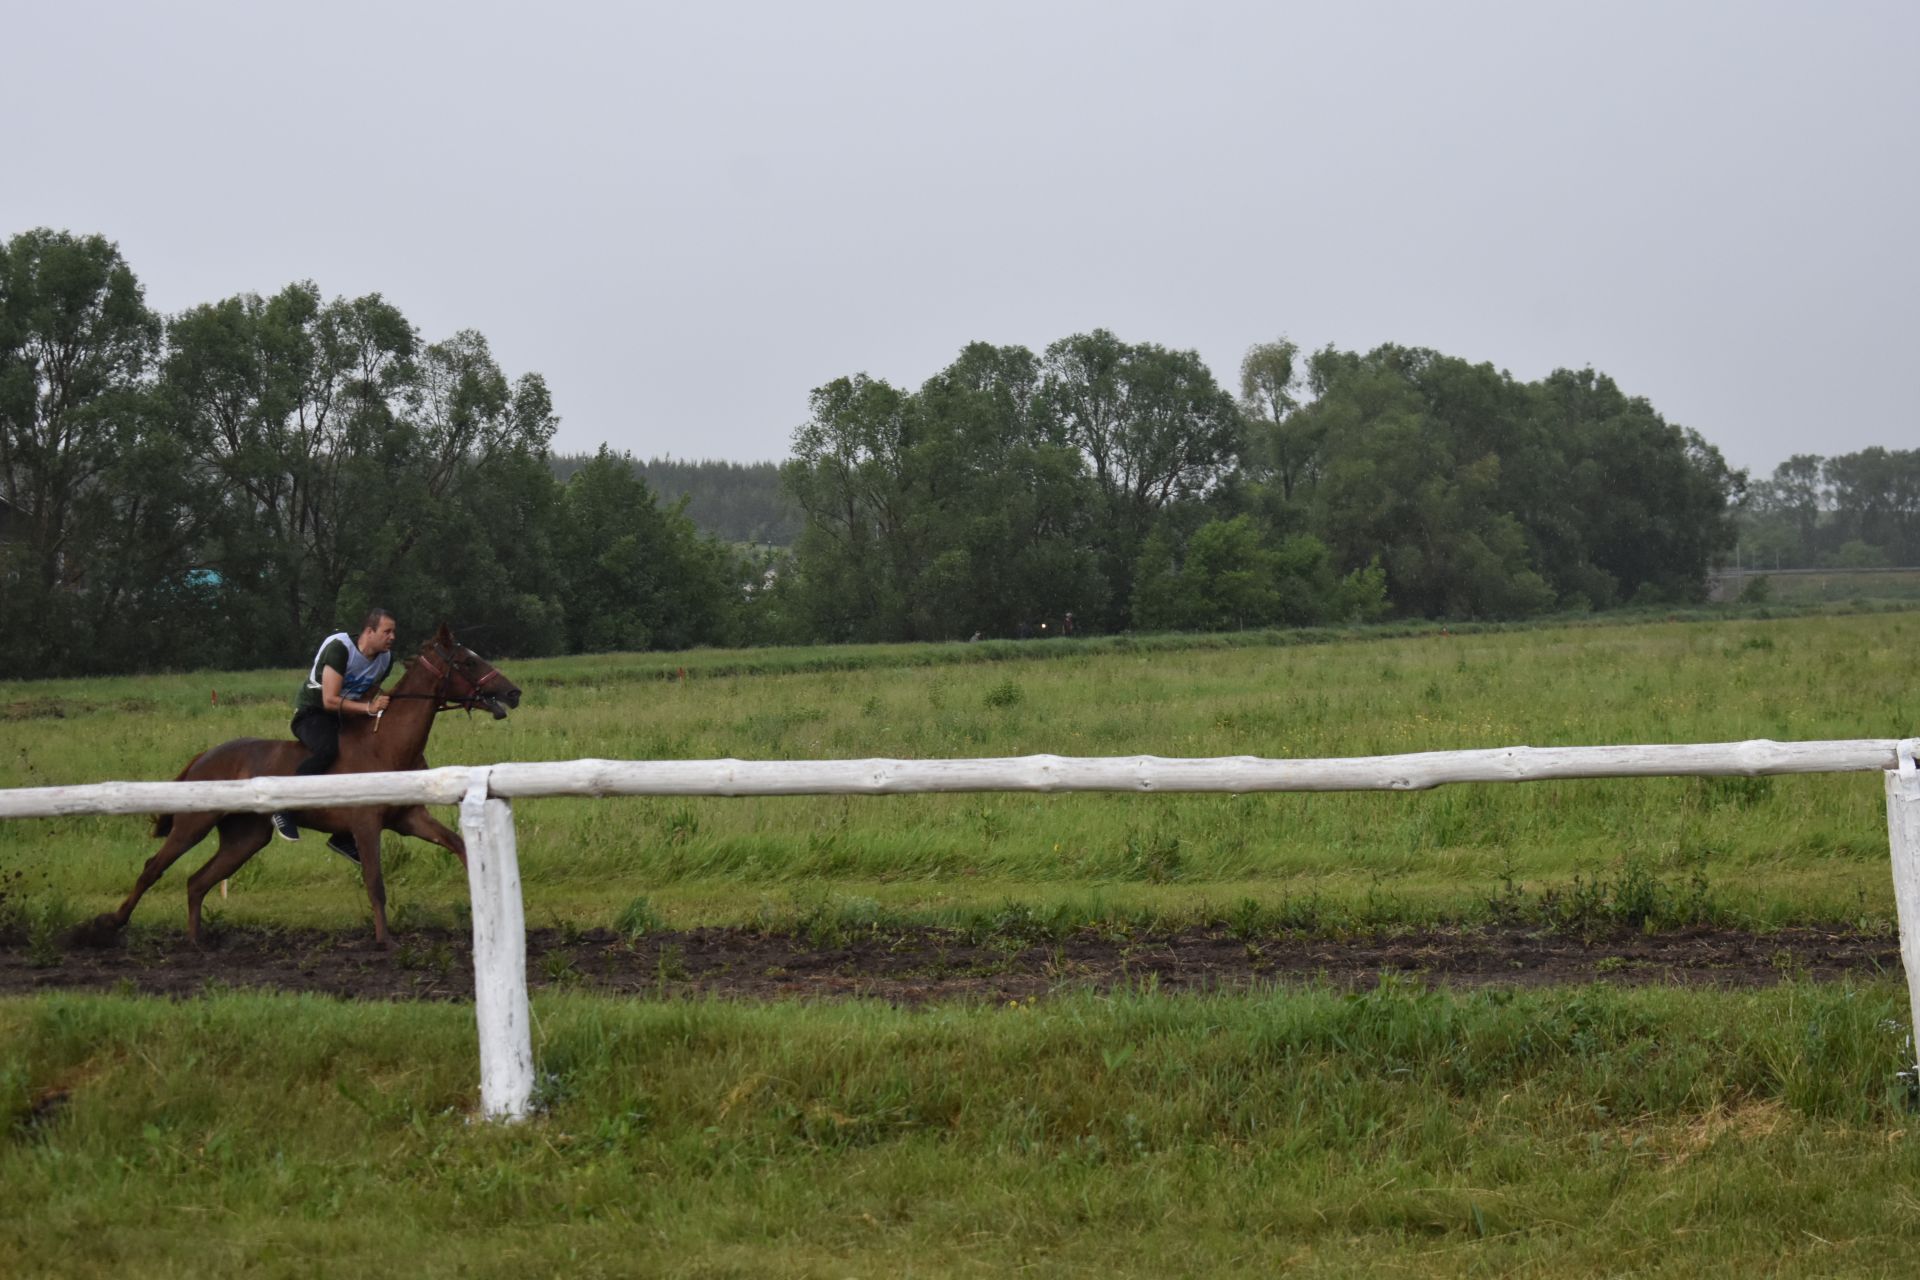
<point x="1567" y="1133"/>
<point x="1784" y="848"/>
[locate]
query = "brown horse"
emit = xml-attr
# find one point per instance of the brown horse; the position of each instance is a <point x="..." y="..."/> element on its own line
<point x="445" y="674"/>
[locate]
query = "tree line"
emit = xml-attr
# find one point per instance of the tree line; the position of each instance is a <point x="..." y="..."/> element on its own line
<point x="1851" y="511"/>
<point x="223" y="486"/>
<point x="1119" y="482"/>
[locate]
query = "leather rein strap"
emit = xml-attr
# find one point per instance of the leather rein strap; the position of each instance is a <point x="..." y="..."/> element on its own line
<point x="476" y="690"/>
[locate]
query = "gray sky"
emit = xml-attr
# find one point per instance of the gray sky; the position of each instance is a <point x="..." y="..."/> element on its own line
<point x="688" y="216"/>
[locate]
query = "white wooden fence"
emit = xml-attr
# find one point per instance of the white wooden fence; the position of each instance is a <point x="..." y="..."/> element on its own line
<point x="485" y="793"/>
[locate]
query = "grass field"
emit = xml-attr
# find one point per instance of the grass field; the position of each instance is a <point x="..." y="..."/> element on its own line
<point x="1586" y="1132"/>
<point x="1807" y="848"/>
<point x="1578" y="1131"/>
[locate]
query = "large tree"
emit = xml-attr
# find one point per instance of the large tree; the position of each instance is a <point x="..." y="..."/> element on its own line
<point x="634" y="575"/>
<point x="76" y="342"/>
<point x="1283" y="445"/>
<point x="1484" y="496"/>
<point x="1155" y="429"/>
<point x="295" y="404"/>
<point x="849" y="475"/>
<point x="941" y="513"/>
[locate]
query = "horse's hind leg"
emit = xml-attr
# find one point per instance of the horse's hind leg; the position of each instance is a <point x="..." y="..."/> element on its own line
<point x="241" y="836"/>
<point x="417" y="822"/>
<point x="188" y="829"/>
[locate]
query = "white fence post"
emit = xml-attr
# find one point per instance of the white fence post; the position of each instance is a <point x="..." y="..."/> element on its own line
<point x="499" y="954"/>
<point x="1903" y="835"/>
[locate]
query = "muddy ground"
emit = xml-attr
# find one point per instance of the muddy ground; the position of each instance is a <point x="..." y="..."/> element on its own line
<point x="914" y="966"/>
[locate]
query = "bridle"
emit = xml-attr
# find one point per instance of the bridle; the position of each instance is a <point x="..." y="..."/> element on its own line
<point x="476" y="691"/>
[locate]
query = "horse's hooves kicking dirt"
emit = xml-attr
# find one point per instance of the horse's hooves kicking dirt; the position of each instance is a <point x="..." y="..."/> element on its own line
<point x="101" y="931"/>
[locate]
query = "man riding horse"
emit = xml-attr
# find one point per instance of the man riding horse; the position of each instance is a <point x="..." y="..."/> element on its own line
<point x="445" y="674"/>
<point x="344" y="679"/>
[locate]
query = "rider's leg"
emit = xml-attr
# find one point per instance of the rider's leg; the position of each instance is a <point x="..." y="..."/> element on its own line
<point x="319" y="733"/>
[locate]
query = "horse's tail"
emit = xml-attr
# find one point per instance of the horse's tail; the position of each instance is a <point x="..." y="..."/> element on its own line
<point x="163" y="822"/>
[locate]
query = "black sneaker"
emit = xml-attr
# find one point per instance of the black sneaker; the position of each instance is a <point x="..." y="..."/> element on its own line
<point x="343" y="844"/>
<point x="285" y="827"/>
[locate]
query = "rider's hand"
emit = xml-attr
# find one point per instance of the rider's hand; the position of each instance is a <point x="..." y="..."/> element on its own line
<point x="378" y="705"/>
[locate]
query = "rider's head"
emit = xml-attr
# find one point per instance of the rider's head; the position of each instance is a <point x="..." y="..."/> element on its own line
<point x="376" y="632"/>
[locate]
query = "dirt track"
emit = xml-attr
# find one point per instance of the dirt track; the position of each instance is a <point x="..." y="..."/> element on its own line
<point x="913" y="966"/>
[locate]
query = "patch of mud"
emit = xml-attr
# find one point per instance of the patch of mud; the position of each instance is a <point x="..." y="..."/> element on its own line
<point x="33" y="709"/>
<point x="915" y="966"/>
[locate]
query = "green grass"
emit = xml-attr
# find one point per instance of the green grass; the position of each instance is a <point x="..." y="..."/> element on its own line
<point x="1568" y="1132"/>
<point x="1578" y="1132"/>
<point x="1775" y="849"/>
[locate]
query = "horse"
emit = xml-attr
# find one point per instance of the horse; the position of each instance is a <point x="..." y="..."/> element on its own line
<point x="444" y="675"/>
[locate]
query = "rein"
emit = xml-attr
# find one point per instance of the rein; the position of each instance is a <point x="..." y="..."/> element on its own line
<point x="476" y="690"/>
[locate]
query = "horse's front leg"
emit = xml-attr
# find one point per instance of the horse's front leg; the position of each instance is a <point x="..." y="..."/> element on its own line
<point x="366" y="837"/>
<point x="421" y="825"/>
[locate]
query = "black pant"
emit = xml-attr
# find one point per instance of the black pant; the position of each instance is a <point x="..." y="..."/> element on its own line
<point x="319" y="732"/>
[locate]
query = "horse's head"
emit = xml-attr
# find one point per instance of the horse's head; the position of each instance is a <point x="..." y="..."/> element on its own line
<point x="465" y="678"/>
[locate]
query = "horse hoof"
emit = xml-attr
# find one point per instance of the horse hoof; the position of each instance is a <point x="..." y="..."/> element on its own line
<point x="101" y="931"/>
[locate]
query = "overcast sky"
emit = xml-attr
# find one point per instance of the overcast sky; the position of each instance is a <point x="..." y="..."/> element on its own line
<point x="686" y="216"/>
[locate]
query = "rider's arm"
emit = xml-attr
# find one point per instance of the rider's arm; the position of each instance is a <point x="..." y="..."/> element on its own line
<point x="331" y="682"/>
<point x="330" y="685"/>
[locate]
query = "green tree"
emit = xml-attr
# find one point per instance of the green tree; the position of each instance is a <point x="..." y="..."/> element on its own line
<point x="472" y="504"/>
<point x="849" y="475"/>
<point x="76" y="342"/>
<point x="95" y="516"/>
<point x="1875" y="495"/>
<point x="634" y="575"/>
<point x="1483" y="496"/>
<point x="297" y="407"/>
<point x="1226" y="577"/>
<point x="1283" y="445"/>
<point x="1652" y="504"/>
<point x="943" y="512"/>
<point x="1006" y="503"/>
<point x="1798" y="493"/>
<point x="1155" y="430"/>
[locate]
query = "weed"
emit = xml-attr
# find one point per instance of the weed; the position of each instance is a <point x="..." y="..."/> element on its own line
<point x="682" y="825"/>
<point x="1636" y="898"/>
<point x="435" y="957"/>
<point x="559" y="968"/>
<point x="1005" y="694"/>
<point x="1729" y="792"/>
<point x="40" y="919"/>
<point x="1247" y="920"/>
<point x="637" y="919"/>
<point x="671" y="964"/>
<point x="1154" y="857"/>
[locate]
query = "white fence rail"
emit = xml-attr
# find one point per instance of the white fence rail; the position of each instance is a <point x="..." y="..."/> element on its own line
<point x="1238" y="774"/>
<point x="484" y="794"/>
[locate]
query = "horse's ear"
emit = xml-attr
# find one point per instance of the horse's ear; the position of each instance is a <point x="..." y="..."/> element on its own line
<point x="443" y="635"/>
